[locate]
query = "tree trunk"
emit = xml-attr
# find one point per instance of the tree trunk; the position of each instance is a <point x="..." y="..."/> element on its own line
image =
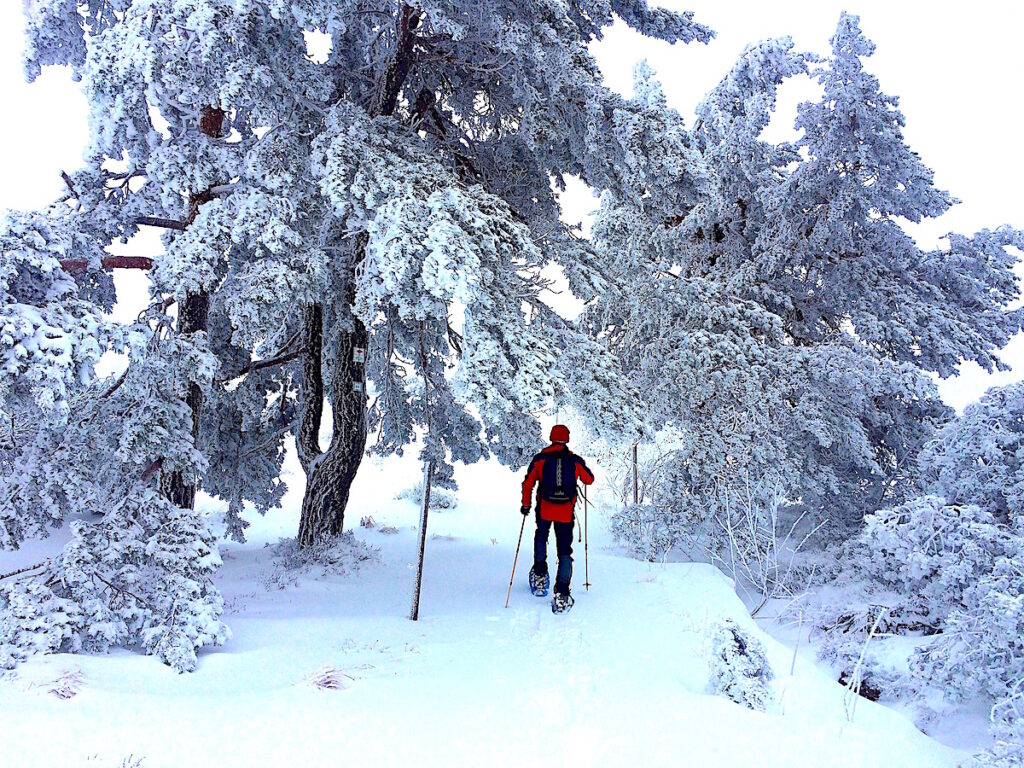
<point x="193" y="314"/>
<point x="329" y="475"/>
<point x="308" y="440"/>
<point x="192" y="317"/>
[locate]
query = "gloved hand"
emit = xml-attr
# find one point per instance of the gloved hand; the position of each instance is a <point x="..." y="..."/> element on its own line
<point x="525" y="511"/>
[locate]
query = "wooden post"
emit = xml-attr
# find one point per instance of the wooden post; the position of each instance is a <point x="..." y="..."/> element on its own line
<point x="424" y="509"/>
<point x="586" y="541"/>
<point x="636" y="478"/>
<point x="427" y="467"/>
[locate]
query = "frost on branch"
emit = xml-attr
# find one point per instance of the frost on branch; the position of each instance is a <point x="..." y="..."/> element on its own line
<point x="978" y="458"/>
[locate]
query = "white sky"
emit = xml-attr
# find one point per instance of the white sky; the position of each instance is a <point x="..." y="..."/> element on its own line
<point x="956" y="67"/>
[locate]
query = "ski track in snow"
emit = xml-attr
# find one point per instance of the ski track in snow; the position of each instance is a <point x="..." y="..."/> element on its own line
<point x="619" y="681"/>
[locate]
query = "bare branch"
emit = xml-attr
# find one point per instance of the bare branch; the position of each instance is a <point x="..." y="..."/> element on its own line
<point x="116" y="384"/>
<point x="26" y="569"/>
<point x="118" y="591"/>
<point x="109" y="262"/>
<point x="259" y="365"/>
<point x="284" y="355"/>
<point x="69" y="184"/>
<point x="157" y="221"/>
<point x="151" y="470"/>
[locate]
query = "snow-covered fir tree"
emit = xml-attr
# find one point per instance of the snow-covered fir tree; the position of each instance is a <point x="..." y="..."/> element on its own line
<point x="775" y="313"/>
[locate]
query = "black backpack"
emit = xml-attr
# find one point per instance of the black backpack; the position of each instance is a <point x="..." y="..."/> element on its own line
<point x="558" y="477"/>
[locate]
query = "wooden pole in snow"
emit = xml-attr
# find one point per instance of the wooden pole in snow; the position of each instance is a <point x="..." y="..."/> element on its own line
<point x="427" y="466"/>
<point x="424" y="509"/>
<point x="586" y="541"/>
<point x="636" y="478"/>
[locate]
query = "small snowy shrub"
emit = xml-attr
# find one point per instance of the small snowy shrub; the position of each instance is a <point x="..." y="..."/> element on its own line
<point x="35" y="620"/>
<point x="981" y="649"/>
<point x="745" y="527"/>
<point x="1008" y="734"/>
<point x="440" y="498"/>
<point x="916" y="561"/>
<point x="739" y="667"/>
<point x="907" y="571"/>
<point x="344" y="555"/>
<point x="645" y="530"/>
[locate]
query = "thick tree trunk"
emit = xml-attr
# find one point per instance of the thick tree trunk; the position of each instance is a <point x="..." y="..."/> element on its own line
<point x="308" y="440"/>
<point x="329" y="475"/>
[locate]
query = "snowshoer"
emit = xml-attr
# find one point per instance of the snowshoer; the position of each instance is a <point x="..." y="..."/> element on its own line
<point x="556" y="469"/>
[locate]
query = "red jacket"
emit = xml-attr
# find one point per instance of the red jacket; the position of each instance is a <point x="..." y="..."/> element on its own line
<point x="559" y="513"/>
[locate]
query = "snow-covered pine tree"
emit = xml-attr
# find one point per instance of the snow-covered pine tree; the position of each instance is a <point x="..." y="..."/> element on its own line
<point x="774" y="311"/>
<point x="438" y="167"/>
<point x="301" y="200"/>
<point x="419" y="107"/>
<point x="136" y="570"/>
<point x="180" y="94"/>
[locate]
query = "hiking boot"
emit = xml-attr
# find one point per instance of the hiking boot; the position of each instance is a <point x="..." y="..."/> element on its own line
<point x="561" y="602"/>
<point x="539" y="583"/>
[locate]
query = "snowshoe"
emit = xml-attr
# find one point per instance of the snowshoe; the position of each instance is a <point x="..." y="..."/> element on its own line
<point x="539" y="583"/>
<point x="561" y="602"/>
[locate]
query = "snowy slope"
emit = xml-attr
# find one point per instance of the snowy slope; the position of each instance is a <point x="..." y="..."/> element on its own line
<point x="622" y="680"/>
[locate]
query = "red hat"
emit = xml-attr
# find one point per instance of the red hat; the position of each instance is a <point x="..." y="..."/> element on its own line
<point x="559" y="433"/>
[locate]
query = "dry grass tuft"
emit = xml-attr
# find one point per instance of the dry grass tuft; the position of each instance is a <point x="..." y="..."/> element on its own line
<point x="330" y="678"/>
<point x="67" y="686"/>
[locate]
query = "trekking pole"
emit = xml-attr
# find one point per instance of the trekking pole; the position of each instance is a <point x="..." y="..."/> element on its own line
<point x="586" y="542"/>
<point x="514" y="561"/>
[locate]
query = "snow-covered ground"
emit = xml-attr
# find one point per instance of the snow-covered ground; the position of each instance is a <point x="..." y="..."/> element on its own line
<point x="621" y="680"/>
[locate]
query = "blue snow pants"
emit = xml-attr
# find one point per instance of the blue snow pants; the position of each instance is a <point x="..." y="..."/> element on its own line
<point x="563" y="544"/>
